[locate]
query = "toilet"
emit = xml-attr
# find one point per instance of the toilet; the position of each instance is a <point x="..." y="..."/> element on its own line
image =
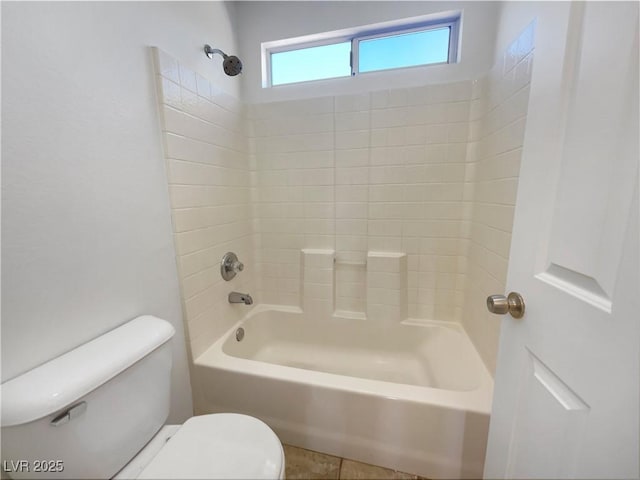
<point x="99" y="410"/>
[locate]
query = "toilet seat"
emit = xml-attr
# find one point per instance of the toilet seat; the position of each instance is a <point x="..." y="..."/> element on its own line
<point x="221" y="445"/>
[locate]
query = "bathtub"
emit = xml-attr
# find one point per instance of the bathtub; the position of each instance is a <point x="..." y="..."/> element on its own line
<point x="414" y="397"/>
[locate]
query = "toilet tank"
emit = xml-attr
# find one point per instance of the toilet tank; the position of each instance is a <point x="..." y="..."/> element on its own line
<point x="86" y="413"/>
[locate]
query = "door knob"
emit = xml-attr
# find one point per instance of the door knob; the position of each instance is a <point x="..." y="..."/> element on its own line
<point x="501" y="305"/>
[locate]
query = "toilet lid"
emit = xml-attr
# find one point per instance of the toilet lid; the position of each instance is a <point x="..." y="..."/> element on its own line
<point x="222" y="445"/>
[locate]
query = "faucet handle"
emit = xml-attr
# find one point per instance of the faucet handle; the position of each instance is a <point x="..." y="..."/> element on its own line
<point x="230" y="266"/>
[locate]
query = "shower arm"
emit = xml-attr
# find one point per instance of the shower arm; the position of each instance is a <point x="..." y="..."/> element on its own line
<point x="210" y="51"/>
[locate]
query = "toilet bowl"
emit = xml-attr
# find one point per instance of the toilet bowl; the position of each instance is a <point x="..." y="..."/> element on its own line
<point x="222" y="445"/>
<point x="98" y="411"/>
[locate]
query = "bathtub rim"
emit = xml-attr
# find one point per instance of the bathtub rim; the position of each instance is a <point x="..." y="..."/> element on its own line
<point x="477" y="400"/>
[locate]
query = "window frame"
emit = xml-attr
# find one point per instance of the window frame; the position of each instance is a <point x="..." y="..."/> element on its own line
<point x="451" y="20"/>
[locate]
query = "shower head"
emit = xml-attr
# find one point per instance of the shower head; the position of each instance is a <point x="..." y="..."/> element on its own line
<point x="231" y="64"/>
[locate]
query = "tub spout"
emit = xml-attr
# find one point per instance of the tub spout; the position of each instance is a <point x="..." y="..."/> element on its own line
<point x="237" y="297"/>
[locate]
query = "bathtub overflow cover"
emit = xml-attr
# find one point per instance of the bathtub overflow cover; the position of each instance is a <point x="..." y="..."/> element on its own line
<point x="239" y="334"/>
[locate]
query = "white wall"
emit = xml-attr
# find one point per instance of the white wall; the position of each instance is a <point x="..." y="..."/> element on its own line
<point x="86" y="234"/>
<point x="267" y="21"/>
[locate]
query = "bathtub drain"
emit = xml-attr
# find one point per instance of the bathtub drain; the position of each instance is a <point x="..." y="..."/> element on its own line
<point x="240" y="334"/>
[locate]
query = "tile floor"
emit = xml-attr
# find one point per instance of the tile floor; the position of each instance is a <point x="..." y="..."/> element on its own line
<point x="304" y="464"/>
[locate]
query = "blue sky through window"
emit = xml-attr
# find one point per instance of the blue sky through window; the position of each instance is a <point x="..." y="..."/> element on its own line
<point x="315" y="63"/>
<point x="406" y="50"/>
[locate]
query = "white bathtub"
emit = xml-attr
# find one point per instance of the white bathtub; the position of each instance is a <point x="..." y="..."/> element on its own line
<point x="412" y="397"/>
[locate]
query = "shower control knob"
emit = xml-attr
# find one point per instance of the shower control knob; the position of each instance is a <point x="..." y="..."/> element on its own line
<point x="230" y="266"/>
<point x="501" y="305"/>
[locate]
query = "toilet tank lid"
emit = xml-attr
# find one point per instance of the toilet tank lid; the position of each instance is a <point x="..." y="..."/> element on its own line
<point x="60" y="382"/>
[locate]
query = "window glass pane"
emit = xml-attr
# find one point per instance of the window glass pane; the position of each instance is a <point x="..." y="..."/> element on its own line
<point x="406" y="50"/>
<point x="315" y="63"/>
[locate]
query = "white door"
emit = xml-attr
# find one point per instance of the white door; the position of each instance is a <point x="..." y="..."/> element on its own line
<point x="566" y="389"/>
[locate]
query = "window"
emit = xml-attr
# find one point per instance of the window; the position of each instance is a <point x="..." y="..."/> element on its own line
<point x="413" y="42"/>
<point x="405" y="50"/>
<point x="312" y="63"/>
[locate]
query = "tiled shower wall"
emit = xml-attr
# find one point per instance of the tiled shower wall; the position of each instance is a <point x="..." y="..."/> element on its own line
<point x="495" y="149"/>
<point x="381" y="171"/>
<point x="206" y="153"/>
